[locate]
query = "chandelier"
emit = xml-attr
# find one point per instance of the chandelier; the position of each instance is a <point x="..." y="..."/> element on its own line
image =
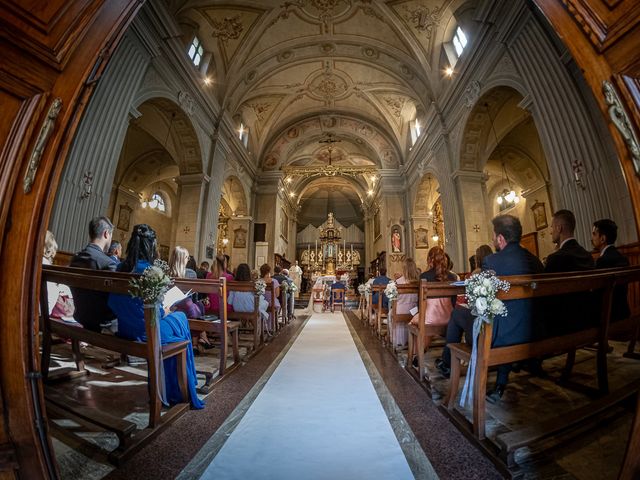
<point x="508" y="196"/>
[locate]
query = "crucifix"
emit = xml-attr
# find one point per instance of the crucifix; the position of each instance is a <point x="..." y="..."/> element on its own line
<point x="329" y="140"/>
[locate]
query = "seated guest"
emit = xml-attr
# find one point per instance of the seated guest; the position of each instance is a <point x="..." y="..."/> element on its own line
<point x="191" y="307"/>
<point x="283" y="279"/>
<point x="59" y="296"/>
<point x="405" y="301"/>
<point x="570" y="311"/>
<point x="245" y="301"/>
<point x="191" y="265"/>
<point x="450" y="267"/>
<point x="174" y="327"/>
<point x="603" y="236"/>
<point x="338" y="285"/>
<point x="265" y="274"/>
<point x="115" y="251"/>
<point x="381" y="279"/>
<point x="570" y="256"/>
<point x="461" y="321"/>
<point x="203" y="270"/>
<point x="218" y="269"/>
<point x="92" y="310"/>
<point x="511" y="259"/>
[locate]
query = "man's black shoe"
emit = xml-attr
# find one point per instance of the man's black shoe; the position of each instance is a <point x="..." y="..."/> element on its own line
<point x="496" y="394"/>
<point x="442" y="368"/>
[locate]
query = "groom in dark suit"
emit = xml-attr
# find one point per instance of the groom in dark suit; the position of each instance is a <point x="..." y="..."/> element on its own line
<point x="511" y="259"/>
<point x="568" y="313"/>
<point x="603" y="236"/>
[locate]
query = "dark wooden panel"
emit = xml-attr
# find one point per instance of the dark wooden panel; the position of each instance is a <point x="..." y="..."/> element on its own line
<point x="50" y="29"/>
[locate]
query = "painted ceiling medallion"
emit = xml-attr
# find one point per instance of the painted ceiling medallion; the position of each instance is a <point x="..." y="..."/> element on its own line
<point x="423" y="19"/>
<point x="328" y="87"/>
<point x="229" y="28"/>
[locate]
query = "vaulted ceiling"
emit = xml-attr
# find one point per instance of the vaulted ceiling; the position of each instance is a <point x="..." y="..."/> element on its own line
<point x="296" y="70"/>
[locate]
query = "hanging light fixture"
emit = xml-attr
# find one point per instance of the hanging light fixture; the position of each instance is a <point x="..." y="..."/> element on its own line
<point x="508" y="196"/>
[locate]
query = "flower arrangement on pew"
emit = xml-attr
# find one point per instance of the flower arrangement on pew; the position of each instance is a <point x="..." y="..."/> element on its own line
<point x="293" y="288"/>
<point x="481" y="290"/>
<point x="344" y="278"/>
<point x="391" y="291"/>
<point x="367" y="289"/>
<point x="260" y="287"/>
<point x="284" y="286"/>
<point x="362" y="288"/>
<point x="153" y="284"/>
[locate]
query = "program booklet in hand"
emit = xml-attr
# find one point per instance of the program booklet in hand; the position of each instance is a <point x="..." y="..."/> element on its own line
<point x="173" y="296"/>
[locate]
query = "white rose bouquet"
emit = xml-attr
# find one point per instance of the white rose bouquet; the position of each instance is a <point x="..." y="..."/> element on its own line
<point x="260" y="286"/>
<point x="293" y="287"/>
<point x="362" y="288"/>
<point x="152" y="285"/>
<point x="344" y="278"/>
<point x="481" y="291"/>
<point x="391" y="291"/>
<point x="367" y="289"/>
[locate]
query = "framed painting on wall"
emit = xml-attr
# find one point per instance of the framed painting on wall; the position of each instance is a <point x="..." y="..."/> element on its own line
<point x="376" y="225"/>
<point x="422" y="238"/>
<point x="539" y="215"/>
<point x="284" y="225"/>
<point x="396" y="239"/>
<point x="124" y="217"/>
<point x="239" y="238"/>
<point x="210" y="251"/>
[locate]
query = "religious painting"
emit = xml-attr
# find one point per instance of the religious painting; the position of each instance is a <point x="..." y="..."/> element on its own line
<point x="539" y="215"/>
<point x="239" y="238"/>
<point x="376" y="225"/>
<point x="284" y="225"/>
<point x="124" y="217"/>
<point x="210" y="249"/>
<point x="396" y="239"/>
<point x="422" y="238"/>
<point x="163" y="252"/>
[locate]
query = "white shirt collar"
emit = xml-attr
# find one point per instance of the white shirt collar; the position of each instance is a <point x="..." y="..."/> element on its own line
<point x="562" y="244"/>
<point x="605" y="249"/>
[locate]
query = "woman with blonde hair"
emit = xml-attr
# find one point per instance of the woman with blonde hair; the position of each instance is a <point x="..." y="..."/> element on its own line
<point x="59" y="296"/>
<point x="405" y="301"/>
<point x="178" y="264"/>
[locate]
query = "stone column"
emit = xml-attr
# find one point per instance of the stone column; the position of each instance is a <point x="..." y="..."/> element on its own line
<point x="471" y="192"/>
<point x="191" y="190"/>
<point x="211" y="199"/>
<point x="97" y="144"/>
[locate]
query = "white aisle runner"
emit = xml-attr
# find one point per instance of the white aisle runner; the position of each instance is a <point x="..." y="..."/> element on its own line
<point x="318" y="417"/>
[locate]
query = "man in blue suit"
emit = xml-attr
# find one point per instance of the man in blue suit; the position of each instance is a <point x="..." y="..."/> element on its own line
<point x="511" y="259"/>
<point x="382" y="279"/>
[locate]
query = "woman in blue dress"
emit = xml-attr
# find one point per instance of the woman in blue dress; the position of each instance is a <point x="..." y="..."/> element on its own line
<point x="141" y="253"/>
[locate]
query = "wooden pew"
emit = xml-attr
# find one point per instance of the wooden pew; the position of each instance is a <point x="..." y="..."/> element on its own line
<point x="395" y="317"/>
<point x="536" y="286"/>
<point x="249" y="321"/>
<point x="130" y="440"/>
<point x="377" y="311"/>
<point x="213" y="328"/>
<point x="420" y="335"/>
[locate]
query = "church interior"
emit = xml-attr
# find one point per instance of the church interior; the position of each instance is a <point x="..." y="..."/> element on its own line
<point x="337" y="166"/>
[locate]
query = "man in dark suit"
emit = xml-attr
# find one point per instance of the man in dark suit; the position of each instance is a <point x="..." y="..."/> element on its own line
<point x="570" y="255"/>
<point x="382" y="279"/>
<point x="603" y="236"/>
<point x="511" y="259"/>
<point x="573" y="310"/>
<point x="92" y="310"/>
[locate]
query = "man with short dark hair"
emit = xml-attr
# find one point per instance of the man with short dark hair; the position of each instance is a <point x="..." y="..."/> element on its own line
<point x="381" y="279"/>
<point x="203" y="270"/>
<point x="92" y="310"/>
<point x="115" y="251"/>
<point x="603" y="236"/>
<point x="511" y="259"/>
<point x="570" y="255"/>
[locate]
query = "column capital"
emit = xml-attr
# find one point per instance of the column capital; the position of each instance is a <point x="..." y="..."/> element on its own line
<point x="192" y="179"/>
<point x="469" y="176"/>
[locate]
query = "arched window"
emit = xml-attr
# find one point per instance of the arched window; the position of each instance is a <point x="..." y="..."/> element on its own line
<point x="196" y="51"/>
<point x="459" y="41"/>
<point x="243" y="134"/>
<point x="416" y="129"/>
<point x="157" y="202"/>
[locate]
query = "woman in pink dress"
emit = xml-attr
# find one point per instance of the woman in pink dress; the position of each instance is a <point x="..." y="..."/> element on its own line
<point x="405" y="301"/>
<point x="218" y="269"/>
